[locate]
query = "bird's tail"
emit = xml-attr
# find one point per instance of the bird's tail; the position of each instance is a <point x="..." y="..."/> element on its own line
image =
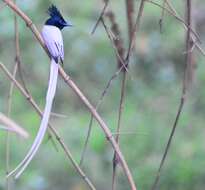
<point x="44" y="122"/>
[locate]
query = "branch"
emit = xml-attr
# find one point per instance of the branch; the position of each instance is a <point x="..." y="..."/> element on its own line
<point x="132" y="37"/>
<point x="117" y="41"/>
<point x="183" y="96"/>
<point x="30" y="99"/>
<point x="100" y="17"/>
<point x="16" y="39"/>
<point x="162" y="16"/>
<point x="136" y="26"/>
<point x="12" y="126"/>
<point x="77" y="91"/>
<point x="130" y="12"/>
<point x="96" y="107"/>
<point x="193" y="33"/>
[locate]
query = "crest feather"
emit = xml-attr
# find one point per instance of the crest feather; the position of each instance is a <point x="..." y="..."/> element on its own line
<point x="53" y="11"/>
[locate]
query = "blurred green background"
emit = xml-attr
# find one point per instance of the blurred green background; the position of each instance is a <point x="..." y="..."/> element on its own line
<point x="152" y="99"/>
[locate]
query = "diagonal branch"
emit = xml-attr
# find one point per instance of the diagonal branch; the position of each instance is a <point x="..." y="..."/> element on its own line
<point x="78" y="92"/>
<point x="40" y="113"/>
<point x="175" y="15"/>
<point x="100" y="17"/>
<point x="96" y="107"/>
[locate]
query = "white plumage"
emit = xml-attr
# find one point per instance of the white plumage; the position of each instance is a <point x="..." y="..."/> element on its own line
<point x="53" y="40"/>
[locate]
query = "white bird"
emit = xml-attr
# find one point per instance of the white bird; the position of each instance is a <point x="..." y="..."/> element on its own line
<point x="53" y="40"/>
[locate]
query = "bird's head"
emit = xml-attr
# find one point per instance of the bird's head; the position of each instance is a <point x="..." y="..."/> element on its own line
<point x="56" y="19"/>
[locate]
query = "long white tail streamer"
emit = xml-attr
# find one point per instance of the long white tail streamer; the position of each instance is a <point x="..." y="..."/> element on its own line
<point x="44" y="122"/>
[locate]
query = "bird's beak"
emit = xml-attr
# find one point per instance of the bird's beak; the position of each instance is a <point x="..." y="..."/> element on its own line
<point x="68" y="24"/>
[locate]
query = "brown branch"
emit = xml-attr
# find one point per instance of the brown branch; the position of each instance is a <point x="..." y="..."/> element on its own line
<point x="132" y="38"/>
<point x="183" y="96"/>
<point x="117" y="49"/>
<point x="136" y="26"/>
<point x="118" y="44"/>
<point x="193" y="33"/>
<point x="117" y="41"/>
<point x="96" y="107"/>
<point x="175" y="15"/>
<point x="77" y="91"/>
<point x="30" y="99"/>
<point x="130" y="12"/>
<point x="115" y="157"/>
<point x="100" y="17"/>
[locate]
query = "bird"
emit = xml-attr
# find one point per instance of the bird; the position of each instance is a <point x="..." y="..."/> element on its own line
<point x="52" y="36"/>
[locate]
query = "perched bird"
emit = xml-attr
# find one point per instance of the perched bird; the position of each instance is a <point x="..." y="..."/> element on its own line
<point x="53" y="40"/>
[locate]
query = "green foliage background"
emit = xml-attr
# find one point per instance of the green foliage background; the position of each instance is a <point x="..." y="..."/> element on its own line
<point x="152" y="99"/>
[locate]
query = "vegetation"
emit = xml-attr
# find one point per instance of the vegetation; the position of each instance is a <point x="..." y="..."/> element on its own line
<point x="153" y="90"/>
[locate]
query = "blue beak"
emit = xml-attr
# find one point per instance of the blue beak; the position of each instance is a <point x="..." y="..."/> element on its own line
<point x="67" y="24"/>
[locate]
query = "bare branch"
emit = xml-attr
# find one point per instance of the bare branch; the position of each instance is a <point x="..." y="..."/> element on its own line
<point x="96" y="107"/>
<point x="16" y="34"/>
<point x="77" y="91"/>
<point x="100" y="17"/>
<point x="30" y="99"/>
<point x="162" y="16"/>
<point x="183" y="96"/>
<point x="136" y="26"/>
<point x="130" y="12"/>
<point x="12" y="126"/>
<point x="193" y="33"/>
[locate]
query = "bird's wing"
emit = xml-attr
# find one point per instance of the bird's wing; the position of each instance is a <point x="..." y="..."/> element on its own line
<point x="53" y="40"/>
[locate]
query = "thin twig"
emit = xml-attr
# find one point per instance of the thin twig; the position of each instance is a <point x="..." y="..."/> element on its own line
<point x="11" y="125"/>
<point x="114" y="45"/>
<point x="100" y="17"/>
<point x="117" y="41"/>
<point x="96" y="107"/>
<point x="193" y="33"/>
<point x="136" y="26"/>
<point x="30" y="99"/>
<point x="132" y="37"/>
<point x="118" y="53"/>
<point x="16" y="32"/>
<point x="115" y="158"/>
<point x="162" y="16"/>
<point x="119" y="44"/>
<point x="175" y="15"/>
<point x="183" y="96"/>
<point x="78" y="92"/>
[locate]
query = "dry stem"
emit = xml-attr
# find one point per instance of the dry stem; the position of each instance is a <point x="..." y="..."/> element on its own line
<point x="183" y="96"/>
<point x="77" y="91"/>
<point x="57" y="136"/>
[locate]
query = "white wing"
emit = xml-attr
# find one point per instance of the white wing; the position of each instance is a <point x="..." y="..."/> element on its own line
<point x="53" y="40"/>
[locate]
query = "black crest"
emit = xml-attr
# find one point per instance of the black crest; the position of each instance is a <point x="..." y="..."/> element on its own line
<point x="54" y="12"/>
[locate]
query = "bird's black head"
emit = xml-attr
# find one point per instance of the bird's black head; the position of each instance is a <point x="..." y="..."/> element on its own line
<point x="56" y="19"/>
